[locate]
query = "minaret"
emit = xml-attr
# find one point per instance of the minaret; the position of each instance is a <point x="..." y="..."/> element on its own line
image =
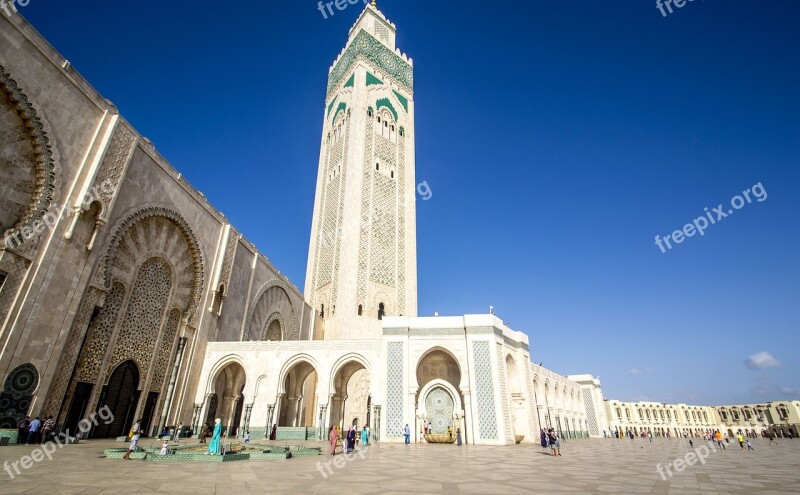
<point x="362" y="259"/>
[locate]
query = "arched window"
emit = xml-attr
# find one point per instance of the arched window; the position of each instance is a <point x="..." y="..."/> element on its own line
<point x="377" y="166"/>
<point x="322" y="311"/>
<point x="381" y="311"/>
<point x="360" y="309"/>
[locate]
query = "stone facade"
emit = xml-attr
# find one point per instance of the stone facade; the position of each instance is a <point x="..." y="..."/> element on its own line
<point x="121" y="286"/>
<point x="116" y="273"/>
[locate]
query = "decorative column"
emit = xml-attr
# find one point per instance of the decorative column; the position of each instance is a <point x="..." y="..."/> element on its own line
<point x="196" y="419"/>
<point x="171" y="388"/>
<point x="323" y="423"/>
<point x="270" y="412"/>
<point x="248" y="410"/>
<point x="376" y="431"/>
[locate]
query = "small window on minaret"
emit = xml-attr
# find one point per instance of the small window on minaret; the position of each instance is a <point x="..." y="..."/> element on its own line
<point x="392" y="174"/>
<point x="369" y="113"/>
<point x="379" y="119"/>
<point x="377" y="166"/>
<point x="360" y="309"/>
<point x="322" y="311"/>
<point x="381" y="311"/>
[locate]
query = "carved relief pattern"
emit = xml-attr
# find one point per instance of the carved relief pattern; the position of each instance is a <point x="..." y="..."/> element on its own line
<point x="394" y="389"/>
<point x="156" y="231"/>
<point x="328" y="233"/>
<point x="28" y="162"/>
<point x="273" y="329"/>
<point x="487" y="418"/>
<point x="272" y="298"/>
<point x="116" y="159"/>
<point x="591" y="415"/>
<point x="71" y="349"/>
<point x="230" y="254"/>
<point x="165" y="351"/>
<point x="505" y="398"/>
<point x="140" y="327"/>
<point x="367" y="48"/>
<point x="366" y="200"/>
<point x="383" y="252"/>
<point x="401" y="227"/>
<point x="98" y="335"/>
<point x="340" y="211"/>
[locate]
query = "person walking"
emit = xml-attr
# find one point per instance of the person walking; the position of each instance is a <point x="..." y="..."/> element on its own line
<point x="178" y="432"/>
<point x="137" y="431"/>
<point x="740" y="439"/>
<point x="351" y="440"/>
<point x="367" y="427"/>
<point x="364" y="437"/>
<point x="215" y="447"/>
<point x="274" y="433"/>
<point x="333" y="438"/>
<point x="749" y="445"/>
<point x="407" y="435"/>
<point x="772" y="438"/>
<point x="458" y="437"/>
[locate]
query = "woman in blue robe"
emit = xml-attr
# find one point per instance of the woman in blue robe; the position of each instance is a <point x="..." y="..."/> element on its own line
<point x="214" y="447"/>
<point x="543" y="438"/>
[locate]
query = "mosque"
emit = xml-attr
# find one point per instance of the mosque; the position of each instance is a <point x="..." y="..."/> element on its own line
<point x="121" y="286"/>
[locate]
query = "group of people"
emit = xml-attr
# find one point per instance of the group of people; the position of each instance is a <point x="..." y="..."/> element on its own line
<point x="35" y="431"/>
<point x="550" y="438"/>
<point x="348" y="441"/>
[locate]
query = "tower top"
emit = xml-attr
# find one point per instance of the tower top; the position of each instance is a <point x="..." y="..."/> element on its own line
<point x="376" y="24"/>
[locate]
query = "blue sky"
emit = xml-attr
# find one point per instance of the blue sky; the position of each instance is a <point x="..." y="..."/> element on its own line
<point x="558" y="139"/>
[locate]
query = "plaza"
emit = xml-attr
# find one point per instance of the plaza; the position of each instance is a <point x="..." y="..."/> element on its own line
<point x="586" y="467"/>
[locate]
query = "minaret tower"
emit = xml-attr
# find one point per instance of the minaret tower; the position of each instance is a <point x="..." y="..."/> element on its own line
<point x="362" y="259"/>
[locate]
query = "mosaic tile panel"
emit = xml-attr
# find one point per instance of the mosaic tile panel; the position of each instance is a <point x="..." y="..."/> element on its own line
<point x="98" y="336"/>
<point x="591" y="415"/>
<point x="484" y="388"/>
<point x="394" y="389"/>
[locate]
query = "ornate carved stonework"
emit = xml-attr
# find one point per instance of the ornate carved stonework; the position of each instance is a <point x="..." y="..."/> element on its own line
<point x="114" y="162"/>
<point x="273" y="297"/>
<point x="29" y="165"/>
<point x="155" y="230"/>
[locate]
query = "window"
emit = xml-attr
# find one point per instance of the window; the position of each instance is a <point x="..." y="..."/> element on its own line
<point x="369" y="112"/>
<point x="360" y="309"/>
<point x="392" y="174"/>
<point x="381" y="311"/>
<point x="377" y="166"/>
<point x="322" y="311"/>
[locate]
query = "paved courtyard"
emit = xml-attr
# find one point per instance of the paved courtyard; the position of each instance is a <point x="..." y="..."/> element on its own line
<point x="587" y="466"/>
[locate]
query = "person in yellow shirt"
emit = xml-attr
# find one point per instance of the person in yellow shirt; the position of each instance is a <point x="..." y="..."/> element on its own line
<point x="740" y="439"/>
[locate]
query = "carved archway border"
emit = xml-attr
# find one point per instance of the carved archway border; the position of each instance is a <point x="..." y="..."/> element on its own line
<point x="47" y="153"/>
<point x="254" y="306"/>
<point x="274" y="316"/>
<point x="128" y="220"/>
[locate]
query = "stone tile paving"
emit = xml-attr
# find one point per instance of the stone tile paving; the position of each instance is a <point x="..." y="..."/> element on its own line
<point x="587" y="466"/>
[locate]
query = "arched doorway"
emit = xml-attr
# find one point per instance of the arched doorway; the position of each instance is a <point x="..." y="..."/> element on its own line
<point x="120" y="396"/>
<point x="228" y="390"/>
<point x="350" y="400"/>
<point x="299" y="398"/>
<point x="517" y="402"/>
<point x="439" y="377"/>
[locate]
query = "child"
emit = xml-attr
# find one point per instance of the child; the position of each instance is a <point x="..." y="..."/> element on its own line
<point x="749" y="445"/>
<point x="247" y="436"/>
<point x="165" y="448"/>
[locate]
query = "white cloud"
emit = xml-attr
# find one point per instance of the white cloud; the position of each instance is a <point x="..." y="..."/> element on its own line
<point x="634" y="372"/>
<point x="762" y="360"/>
<point x="791" y="391"/>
